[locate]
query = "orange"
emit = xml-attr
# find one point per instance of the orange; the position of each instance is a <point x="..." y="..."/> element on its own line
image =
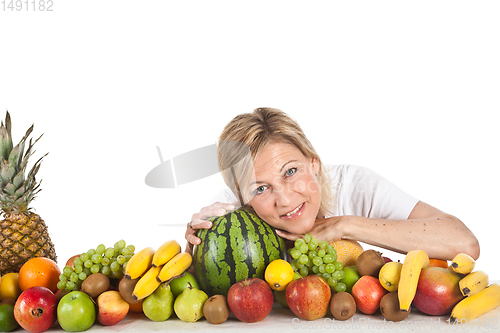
<point x="136" y="307"/>
<point x="347" y="251"/>
<point x="438" y="263"/>
<point x="39" y="272"/>
<point x="279" y="273"/>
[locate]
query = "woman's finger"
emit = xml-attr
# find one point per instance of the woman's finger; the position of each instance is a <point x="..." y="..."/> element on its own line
<point x="287" y="235"/>
<point x="216" y="209"/>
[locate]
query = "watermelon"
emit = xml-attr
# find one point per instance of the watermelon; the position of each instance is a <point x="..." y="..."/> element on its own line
<point x="239" y="245"/>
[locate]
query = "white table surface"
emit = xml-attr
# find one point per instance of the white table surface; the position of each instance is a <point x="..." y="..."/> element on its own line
<point x="282" y="320"/>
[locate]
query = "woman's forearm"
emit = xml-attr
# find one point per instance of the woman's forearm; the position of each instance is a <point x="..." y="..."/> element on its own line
<point x="442" y="237"/>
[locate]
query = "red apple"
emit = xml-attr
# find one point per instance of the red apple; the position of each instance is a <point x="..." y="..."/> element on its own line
<point x="309" y="297"/>
<point x="250" y="300"/>
<point x="112" y="307"/>
<point x="35" y="309"/>
<point x="367" y="292"/>
<point x="437" y="291"/>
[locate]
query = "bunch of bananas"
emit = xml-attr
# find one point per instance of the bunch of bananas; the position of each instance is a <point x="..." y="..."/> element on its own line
<point x="155" y="267"/>
<point x="480" y="297"/>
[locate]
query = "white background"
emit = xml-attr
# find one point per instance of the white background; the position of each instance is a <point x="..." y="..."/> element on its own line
<point x="409" y="89"/>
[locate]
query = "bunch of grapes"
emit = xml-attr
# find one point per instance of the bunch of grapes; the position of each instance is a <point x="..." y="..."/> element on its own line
<point x="109" y="261"/>
<point x="311" y="257"/>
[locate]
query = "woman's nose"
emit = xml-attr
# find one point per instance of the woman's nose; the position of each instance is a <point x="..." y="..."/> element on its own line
<point x="282" y="197"/>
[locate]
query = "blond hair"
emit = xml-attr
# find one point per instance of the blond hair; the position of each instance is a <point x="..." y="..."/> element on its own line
<point x="256" y="130"/>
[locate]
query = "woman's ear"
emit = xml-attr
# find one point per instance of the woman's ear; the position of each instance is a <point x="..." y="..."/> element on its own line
<point x="315" y="165"/>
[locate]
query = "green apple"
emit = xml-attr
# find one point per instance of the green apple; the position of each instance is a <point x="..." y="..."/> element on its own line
<point x="177" y="285"/>
<point x="76" y="312"/>
<point x="280" y="296"/>
<point x="350" y="278"/>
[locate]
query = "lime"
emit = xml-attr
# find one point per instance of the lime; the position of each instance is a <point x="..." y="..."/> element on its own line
<point x="7" y="321"/>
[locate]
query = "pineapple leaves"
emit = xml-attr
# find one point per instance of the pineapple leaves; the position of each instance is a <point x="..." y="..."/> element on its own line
<point x="5" y="138"/>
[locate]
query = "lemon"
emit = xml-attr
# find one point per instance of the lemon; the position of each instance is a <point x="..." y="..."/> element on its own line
<point x="279" y="273"/>
<point x="9" y="286"/>
<point x="389" y="275"/>
<point x="7" y="321"/>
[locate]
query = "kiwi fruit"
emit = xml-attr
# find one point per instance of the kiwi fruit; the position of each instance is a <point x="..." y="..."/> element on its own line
<point x="342" y="305"/>
<point x="95" y="284"/>
<point x="369" y="263"/>
<point x="389" y="307"/>
<point x="126" y="288"/>
<point x="216" y="310"/>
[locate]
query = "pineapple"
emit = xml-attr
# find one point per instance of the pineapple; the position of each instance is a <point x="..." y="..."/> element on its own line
<point x="24" y="233"/>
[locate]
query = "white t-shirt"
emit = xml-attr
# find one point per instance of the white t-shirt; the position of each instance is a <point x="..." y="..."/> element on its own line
<point x="360" y="191"/>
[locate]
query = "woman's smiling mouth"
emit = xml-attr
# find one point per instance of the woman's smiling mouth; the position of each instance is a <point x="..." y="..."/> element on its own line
<point x="294" y="213"/>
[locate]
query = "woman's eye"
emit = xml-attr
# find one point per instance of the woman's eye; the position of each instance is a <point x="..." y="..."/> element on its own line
<point x="260" y="189"/>
<point x="290" y="172"/>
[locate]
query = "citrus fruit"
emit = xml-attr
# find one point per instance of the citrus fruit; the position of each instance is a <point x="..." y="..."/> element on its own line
<point x="7" y="321"/>
<point x="279" y="273"/>
<point x="438" y="263"/>
<point x="389" y="275"/>
<point x="347" y="251"/>
<point x="39" y="272"/>
<point x="9" y="286"/>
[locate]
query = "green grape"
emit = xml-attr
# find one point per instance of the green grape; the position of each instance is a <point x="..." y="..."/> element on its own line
<point x="312" y="254"/>
<point x="96" y="258"/>
<point x="304" y="271"/>
<point x="339" y="275"/>
<point x="78" y="269"/>
<point x="120" y="259"/>
<point x="341" y="286"/>
<point x="61" y="284"/>
<point x="62" y="277"/>
<point x="82" y="276"/>
<point x="88" y="263"/>
<point x="328" y="258"/>
<point x="87" y="271"/>
<point x="73" y="277"/>
<point x="330" y="249"/>
<point x="124" y="265"/>
<point x="338" y="265"/>
<point x="94" y="269"/>
<point x="109" y="252"/>
<point x="127" y="257"/>
<point x="321" y="253"/>
<point x="303" y="259"/>
<point x="321" y="268"/>
<point x="303" y="248"/>
<point x="298" y="242"/>
<point x="326" y="275"/>
<point x="119" y="245"/>
<point x="309" y="263"/>
<point x="105" y="261"/>
<point x="105" y="270"/>
<point x="84" y="256"/>
<point x="91" y="252"/>
<point x="311" y="247"/>
<point x="299" y="265"/>
<point x="70" y="286"/>
<point x="67" y="270"/>
<point x="330" y="268"/>
<point x="323" y="244"/>
<point x="77" y="262"/>
<point x="100" y="249"/>
<point x="115" y="275"/>
<point x="115" y="266"/>
<point x="307" y="238"/>
<point x="315" y="269"/>
<point x="314" y="241"/>
<point x="131" y="248"/>
<point x="317" y="261"/>
<point x="332" y="282"/>
<point x="295" y="253"/>
<point x="293" y="263"/>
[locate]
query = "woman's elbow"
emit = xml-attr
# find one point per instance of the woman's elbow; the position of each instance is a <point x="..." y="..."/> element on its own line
<point x="470" y="247"/>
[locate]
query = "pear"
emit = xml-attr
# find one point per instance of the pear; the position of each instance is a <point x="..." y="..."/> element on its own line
<point x="188" y="306"/>
<point x="159" y="306"/>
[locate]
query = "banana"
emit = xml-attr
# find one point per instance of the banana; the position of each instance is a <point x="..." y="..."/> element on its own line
<point x="476" y="305"/>
<point x="147" y="284"/>
<point x="473" y="283"/>
<point x="139" y="263"/>
<point x="414" y="261"/>
<point x="166" y="252"/>
<point x="176" y="266"/>
<point x="463" y="263"/>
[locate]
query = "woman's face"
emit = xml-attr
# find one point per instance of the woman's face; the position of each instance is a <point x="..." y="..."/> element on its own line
<point x="285" y="192"/>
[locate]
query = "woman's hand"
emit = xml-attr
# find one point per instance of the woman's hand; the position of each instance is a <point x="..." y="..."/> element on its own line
<point x="199" y="221"/>
<point x="323" y="229"/>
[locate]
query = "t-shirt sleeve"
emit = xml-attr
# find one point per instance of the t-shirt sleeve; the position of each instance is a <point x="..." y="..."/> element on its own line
<point x="366" y="193"/>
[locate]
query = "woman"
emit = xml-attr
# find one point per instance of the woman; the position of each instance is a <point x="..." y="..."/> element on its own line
<point x="291" y="189"/>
